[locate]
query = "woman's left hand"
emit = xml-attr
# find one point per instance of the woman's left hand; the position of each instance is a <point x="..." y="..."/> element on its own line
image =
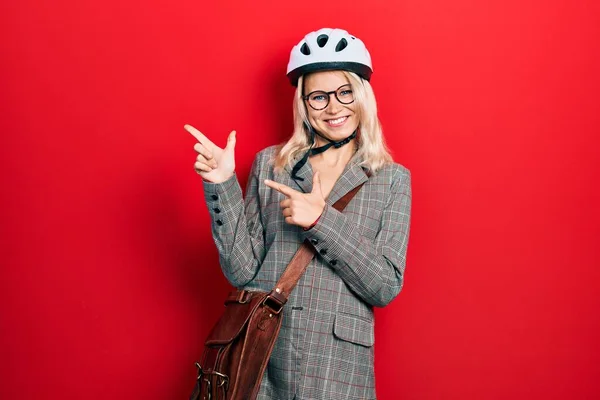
<point x="299" y="208"/>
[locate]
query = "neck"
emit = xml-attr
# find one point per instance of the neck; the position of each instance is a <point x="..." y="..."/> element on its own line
<point x="334" y="157"/>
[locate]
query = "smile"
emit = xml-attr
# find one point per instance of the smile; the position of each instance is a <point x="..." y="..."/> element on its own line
<point x="337" y="122"/>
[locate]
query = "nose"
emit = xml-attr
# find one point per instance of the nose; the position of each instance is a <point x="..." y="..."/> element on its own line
<point x="334" y="105"/>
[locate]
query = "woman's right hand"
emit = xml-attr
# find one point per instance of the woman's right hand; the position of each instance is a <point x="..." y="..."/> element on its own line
<point x="213" y="163"/>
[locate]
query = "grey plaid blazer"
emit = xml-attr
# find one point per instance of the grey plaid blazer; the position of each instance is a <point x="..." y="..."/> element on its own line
<point x="325" y="347"/>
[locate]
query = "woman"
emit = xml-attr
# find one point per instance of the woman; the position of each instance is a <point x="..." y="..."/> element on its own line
<point x="325" y="346"/>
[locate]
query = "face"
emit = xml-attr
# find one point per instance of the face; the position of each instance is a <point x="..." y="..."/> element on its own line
<point x="337" y="121"/>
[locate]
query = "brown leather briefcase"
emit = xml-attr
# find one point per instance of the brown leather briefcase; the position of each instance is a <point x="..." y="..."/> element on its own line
<point x="238" y="348"/>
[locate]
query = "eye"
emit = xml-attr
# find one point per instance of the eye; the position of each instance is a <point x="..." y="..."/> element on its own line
<point x="318" y="97"/>
<point x="346" y="92"/>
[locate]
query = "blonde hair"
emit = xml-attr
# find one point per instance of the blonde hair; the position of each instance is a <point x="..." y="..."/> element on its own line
<point x="372" y="149"/>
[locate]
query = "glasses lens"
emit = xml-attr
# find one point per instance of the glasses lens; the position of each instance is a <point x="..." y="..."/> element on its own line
<point x="318" y="100"/>
<point x="345" y="95"/>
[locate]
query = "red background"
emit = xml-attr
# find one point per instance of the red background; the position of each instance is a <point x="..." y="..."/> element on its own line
<point x="109" y="278"/>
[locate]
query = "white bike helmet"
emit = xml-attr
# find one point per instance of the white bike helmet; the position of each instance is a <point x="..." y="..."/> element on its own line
<point x="329" y="49"/>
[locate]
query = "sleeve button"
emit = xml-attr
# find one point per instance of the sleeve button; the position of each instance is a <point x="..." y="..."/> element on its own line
<point x="219" y="222"/>
<point x="333" y="262"/>
<point x="314" y="241"/>
<point x="323" y="251"/>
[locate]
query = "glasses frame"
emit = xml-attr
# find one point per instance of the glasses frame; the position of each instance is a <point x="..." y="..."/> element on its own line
<point x="334" y="92"/>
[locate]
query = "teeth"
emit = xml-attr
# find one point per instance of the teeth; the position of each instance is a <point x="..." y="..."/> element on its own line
<point x="337" y="121"/>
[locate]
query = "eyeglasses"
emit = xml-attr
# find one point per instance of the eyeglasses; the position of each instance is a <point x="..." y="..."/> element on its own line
<point x="319" y="99"/>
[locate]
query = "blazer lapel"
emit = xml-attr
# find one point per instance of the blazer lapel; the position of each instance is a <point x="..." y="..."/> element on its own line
<point x="352" y="176"/>
<point x="306" y="173"/>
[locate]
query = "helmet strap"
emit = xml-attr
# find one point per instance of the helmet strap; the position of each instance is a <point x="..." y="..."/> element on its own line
<point x="318" y="150"/>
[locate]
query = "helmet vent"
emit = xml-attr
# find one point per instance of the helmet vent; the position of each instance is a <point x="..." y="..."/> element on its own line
<point x="341" y="45"/>
<point x="305" y="49"/>
<point x="322" y="40"/>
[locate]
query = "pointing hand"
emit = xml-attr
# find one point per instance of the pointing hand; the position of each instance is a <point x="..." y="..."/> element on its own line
<point x="213" y="164"/>
<point x="299" y="208"/>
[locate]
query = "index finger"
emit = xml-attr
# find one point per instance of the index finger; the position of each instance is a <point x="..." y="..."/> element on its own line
<point x="199" y="136"/>
<point x="281" y="188"/>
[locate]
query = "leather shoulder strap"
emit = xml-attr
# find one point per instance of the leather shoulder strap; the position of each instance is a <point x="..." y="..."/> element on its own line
<point x="302" y="258"/>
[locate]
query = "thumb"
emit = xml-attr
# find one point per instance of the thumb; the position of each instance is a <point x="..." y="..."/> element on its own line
<point x="316" y="189"/>
<point x="230" y="141"/>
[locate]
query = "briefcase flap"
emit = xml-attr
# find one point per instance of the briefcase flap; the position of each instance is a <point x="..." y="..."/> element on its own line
<point x="234" y="319"/>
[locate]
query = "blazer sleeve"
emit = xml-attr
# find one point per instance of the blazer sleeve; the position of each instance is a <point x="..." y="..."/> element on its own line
<point x="237" y="227"/>
<point x="374" y="270"/>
